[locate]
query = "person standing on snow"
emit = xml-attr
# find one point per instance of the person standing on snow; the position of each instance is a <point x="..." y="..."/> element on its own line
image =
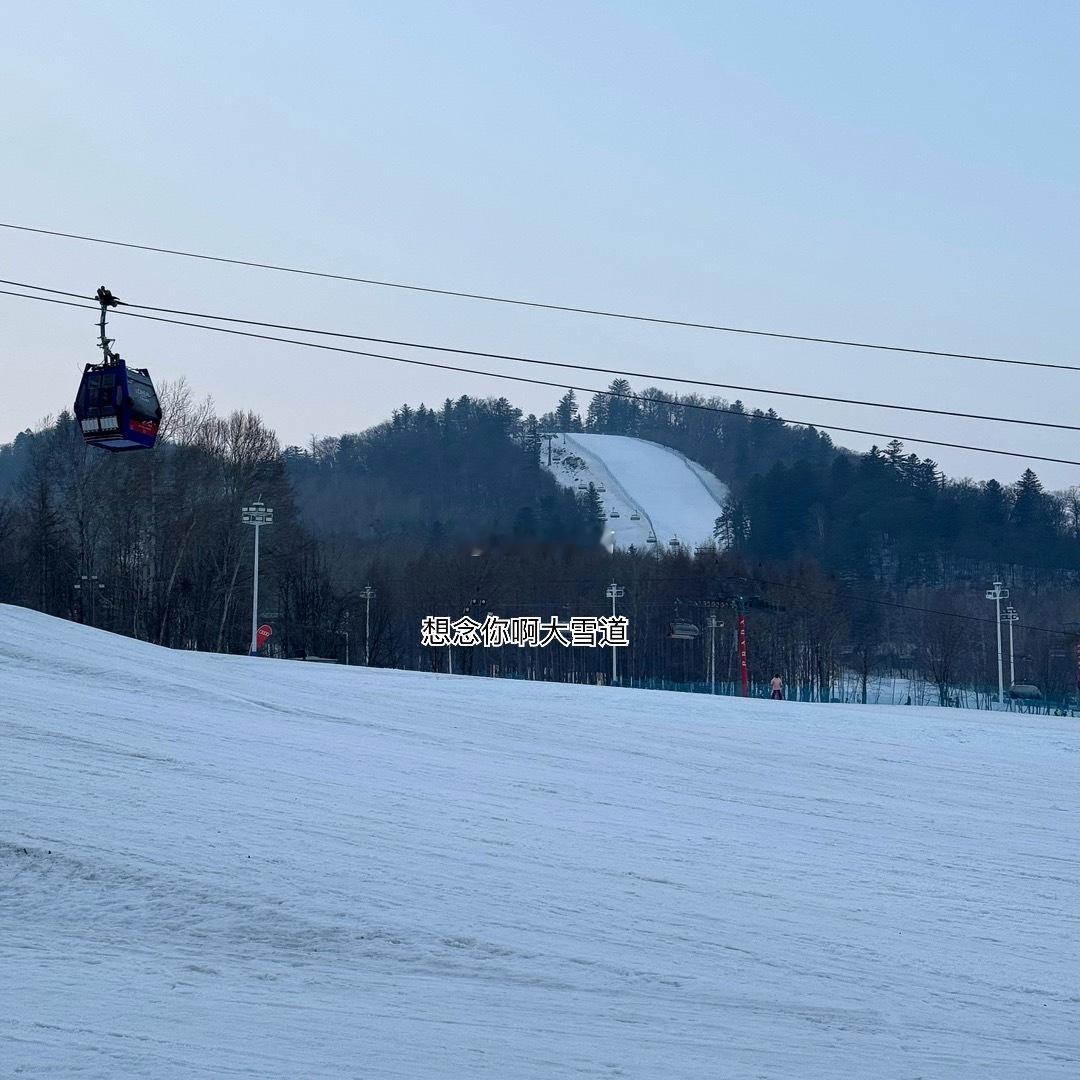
<point x="776" y="685"/>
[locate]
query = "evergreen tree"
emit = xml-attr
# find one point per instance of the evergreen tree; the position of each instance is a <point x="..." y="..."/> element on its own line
<point x="567" y="417"/>
<point x="1029" y="509"/>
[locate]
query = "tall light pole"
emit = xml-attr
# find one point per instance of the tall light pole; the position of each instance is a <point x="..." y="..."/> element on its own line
<point x="614" y="592"/>
<point x="714" y="624"/>
<point x="997" y="594"/>
<point x="257" y="514"/>
<point x="1010" y="617"/>
<point x="368" y="593"/>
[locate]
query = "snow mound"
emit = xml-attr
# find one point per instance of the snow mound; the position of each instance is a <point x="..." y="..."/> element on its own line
<point x="219" y="866"/>
<point x="674" y="498"/>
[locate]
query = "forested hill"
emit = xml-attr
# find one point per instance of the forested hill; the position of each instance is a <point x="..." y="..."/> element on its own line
<point x="449" y="510"/>
<point x="468" y="472"/>
<point x="885" y="516"/>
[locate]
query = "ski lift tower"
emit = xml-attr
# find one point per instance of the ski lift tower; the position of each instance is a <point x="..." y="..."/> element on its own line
<point x="257" y="514"/>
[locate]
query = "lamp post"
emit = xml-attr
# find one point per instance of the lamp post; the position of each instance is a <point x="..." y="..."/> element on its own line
<point x="257" y="514"/>
<point x="713" y="624"/>
<point x="997" y="594"/>
<point x="614" y="592"/>
<point x="368" y="593"/>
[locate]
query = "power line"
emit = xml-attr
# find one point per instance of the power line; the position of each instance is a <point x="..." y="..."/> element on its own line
<point x="751" y="417"/>
<point x="589" y="585"/>
<point x="926" y="410"/>
<point x="600" y="312"/>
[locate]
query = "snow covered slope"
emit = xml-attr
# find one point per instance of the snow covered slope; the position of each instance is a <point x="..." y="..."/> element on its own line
<point x="674" y="498"/>
<point x="220" y="866"/>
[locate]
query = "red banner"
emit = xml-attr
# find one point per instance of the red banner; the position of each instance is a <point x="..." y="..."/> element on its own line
<point x="744" y="667"/>
<point x="263" y="635"/>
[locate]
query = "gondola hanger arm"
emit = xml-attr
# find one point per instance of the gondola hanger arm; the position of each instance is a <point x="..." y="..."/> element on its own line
<point x="106" y="300"/>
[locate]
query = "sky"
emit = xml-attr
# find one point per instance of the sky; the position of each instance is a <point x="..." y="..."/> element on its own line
<point x="906" y="174"/>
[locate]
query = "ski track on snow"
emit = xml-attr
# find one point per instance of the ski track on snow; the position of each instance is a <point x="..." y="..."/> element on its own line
<point x="676" y="497"/>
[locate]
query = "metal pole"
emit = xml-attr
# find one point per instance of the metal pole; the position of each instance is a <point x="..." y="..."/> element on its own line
<point x="614" y="590"/>
<point x="997" y="594"/>
<point x="712" y="654"/>
<point x="255" y="598"/>
<point x="1011" y="617"/>
<point x="1012" y="662"/>
<point x="367" y="594"/>
<point x="1001" y="677"/>
<point x="257" y="514"/>
<point x="614" y="651"/>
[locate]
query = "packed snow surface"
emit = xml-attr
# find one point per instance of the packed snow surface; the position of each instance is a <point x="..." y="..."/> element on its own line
<point x="674" y="498"/>
<point x="219" y="866"/>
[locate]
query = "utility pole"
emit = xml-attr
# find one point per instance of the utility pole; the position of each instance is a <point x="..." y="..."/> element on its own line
<point x="713" y="624"/>
<point x="368" y="593"/>
<point x="614" y="592"/>
<point x="1010" y="617"/>
<point x="997" y="594"/>
<point x="257" y="514"/>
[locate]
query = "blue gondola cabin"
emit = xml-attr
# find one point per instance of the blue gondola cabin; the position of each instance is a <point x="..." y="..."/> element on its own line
<point x="117" y="407"/>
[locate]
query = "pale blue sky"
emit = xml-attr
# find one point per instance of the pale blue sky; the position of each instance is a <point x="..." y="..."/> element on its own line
<point x="899" y="173"/>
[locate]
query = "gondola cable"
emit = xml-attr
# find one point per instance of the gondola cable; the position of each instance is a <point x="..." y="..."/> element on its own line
<point x="568" y="308"/>
<point x="750" y="417"/>
<point x="567" y="365"/>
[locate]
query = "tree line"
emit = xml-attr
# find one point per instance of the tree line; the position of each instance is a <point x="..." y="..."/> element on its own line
<point x="839" y="562"/>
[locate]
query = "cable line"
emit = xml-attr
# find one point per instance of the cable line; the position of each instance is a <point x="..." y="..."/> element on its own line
<point x="926" y="410"/>
<point x="600" y="312"/>
<point x="763" y="417"/>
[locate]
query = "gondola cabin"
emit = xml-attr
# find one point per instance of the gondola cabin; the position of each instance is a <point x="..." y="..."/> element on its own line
<point x="117" y="407"/>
